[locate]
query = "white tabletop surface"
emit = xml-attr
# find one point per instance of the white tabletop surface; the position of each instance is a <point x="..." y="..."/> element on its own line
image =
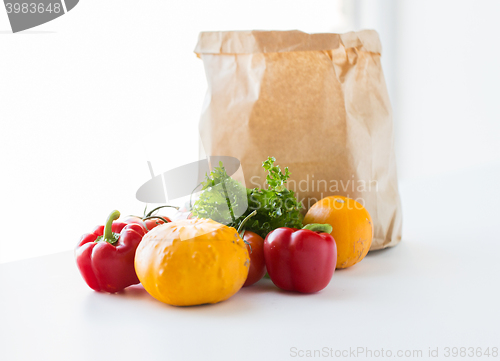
<point x="438" y="288"/>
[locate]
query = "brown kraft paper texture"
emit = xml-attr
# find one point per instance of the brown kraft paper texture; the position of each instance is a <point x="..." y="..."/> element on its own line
<point x="316" y="102"/>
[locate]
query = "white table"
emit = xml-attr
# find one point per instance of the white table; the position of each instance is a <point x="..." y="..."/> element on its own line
<point x="439" y="288"/>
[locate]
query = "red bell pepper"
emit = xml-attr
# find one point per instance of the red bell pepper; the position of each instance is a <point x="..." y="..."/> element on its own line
<point x="105" y="257"/>
<point x="301" y="260"/>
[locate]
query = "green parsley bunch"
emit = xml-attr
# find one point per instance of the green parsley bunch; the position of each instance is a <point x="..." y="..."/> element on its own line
<point x="275" y="205"/>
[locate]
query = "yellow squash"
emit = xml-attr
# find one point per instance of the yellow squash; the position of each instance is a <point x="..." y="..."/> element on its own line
<point x="192" y="262"/>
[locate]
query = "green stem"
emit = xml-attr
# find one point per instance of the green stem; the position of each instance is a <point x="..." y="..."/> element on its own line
<point x="154" y="210"/>
<point x="158" y="217"/>
<point x="317" y="227"/>
<point x="152" y="217"/>
<point x="241" y="231"/>
<point x="108" y="232"/>
<point x="228" y="201"/>
<point x="240" y="227"/>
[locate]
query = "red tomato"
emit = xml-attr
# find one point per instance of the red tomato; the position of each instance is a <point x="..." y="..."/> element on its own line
<point x="154" y="222"/>
<point x="257" y="268"/>
<point x="132" y="219"/>
<point x="148" y="224"/>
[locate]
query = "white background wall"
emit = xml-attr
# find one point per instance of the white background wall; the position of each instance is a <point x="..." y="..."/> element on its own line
<point x="442" y="67"/>
<point x="87" y="99"/>
<point x="448" y="108"/>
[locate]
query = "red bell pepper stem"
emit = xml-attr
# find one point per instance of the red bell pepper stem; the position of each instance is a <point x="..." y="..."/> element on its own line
<point x="108" y="233"/>
<point x="318" y="227"/>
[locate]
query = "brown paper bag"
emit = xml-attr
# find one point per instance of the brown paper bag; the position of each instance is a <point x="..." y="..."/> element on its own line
<point x="316" y="102"/>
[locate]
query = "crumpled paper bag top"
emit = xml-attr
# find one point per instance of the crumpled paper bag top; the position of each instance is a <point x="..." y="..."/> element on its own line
<point x="255" y="41"/>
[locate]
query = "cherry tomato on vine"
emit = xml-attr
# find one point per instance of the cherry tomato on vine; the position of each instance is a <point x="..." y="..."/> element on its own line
<point x="148" y="224"/>
<point x="149" y="220"/>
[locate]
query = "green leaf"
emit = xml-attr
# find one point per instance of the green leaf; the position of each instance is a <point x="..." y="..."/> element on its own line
<point x="275" y="179"/>
<point x="223" y="199"/>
